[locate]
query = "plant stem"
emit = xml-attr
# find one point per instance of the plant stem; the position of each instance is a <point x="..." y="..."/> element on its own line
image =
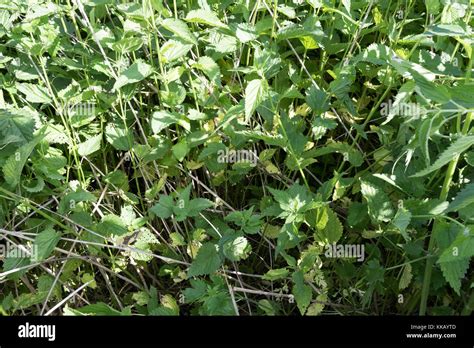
<point x="431" y="245"/>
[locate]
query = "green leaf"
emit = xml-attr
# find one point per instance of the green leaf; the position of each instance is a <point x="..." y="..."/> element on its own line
<point x="463" y="198"/>
<point x="236" y="248"/>
<point x="254" y="94"/>
<point x="401" y="221"/>
<point x="454" y="260"/>
<point x="180" y="150"/>
<point x="119" y="137"/>
<point x="14" y="259"/>
<point x="180" y="29"/>
<point x="292" y="31"/>
<point x="173" y="50"/>
<point x="350" y="154"/>
<point x="111" y="225"/>
<point x="34" y="93"/>
<point x="329" y="226"/>
<point x="136" y="72"/>
<point x="70" y="200"/>
<point x="406" y="277"/>
<point x="434" y="92"/>
<point x="207" y="261"/>
<point x="164" y="208"/>
<point x="446" y="30"/>
<point x="14" y="165"/>
<point x="275" y="274"/>
<point x="163" y="119"/>
<point x="455" y="149"/>
<point x="294" y="202"/>
<point x="379" y="206"/>
<point x="89" y="146"/>
<point x="317" y="99"/>
<point x="16" y="127"/>
<point x="457" y="245"/>
<point x="301" y="291"/>
<point x="210" y="68"/>
<point x="102" y="309"/>
<point x="195" y="206"/>
<point x="204" y="17"/>
<point x="245" y="32"/>
<point x="44" y="244"/>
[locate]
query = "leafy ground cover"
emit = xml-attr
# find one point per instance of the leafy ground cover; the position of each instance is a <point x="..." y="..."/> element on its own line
<point x="261" y="157"/>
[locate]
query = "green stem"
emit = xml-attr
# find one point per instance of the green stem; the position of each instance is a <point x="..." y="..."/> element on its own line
<point x="431" y="245"/>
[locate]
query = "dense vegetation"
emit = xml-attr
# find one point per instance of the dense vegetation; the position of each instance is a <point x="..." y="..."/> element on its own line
<point x="226" y="157"/>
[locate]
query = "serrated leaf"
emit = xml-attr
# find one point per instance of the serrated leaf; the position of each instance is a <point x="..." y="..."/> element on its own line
<point x="102" y="309"/>
<point x="71" y="199"/>
<point x="18" y="125"/>
<point x="301" y="291"/>
<point x="455" y="149"/>
<point x="195" y="206"/>
<point x="34" y="93"/>
<point x="180" y="29"/>
<point x="136" y="72"/>
<point x="164" y="207"/>
<point x="163" y="119"/>
<point x="254" y="93"/>
<point x="111" y="225"/>
<point x="246" y="32"/>
<point x="275" y="274"/>
<point x="350" y="154"/>
<point x="329" y="226"/>
<point x="207" y="261"/>
<point x="204" y="17"/>
<point x="236" y="248"/>
<point x="44" y="244"/>
<point x="378" y="203"/>
<point x="119" y="137"/>
<point x="14" y="165"/>
<point x="210" y="68"/>
<point x="406" y="277"/>
<point x="454" y="260"/>
<point x="173" y="50"/>
<point x="463" y="198"/>
<point x="89" y="146"/>
<point x="445" y="30"/>
<point x="401" y="221"/>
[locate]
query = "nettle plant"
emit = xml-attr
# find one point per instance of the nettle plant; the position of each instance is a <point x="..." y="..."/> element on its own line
<point x="119" y="122"/>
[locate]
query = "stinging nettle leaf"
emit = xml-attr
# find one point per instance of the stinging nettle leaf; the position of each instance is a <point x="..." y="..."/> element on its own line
<point x="207" y="261"/>
<point x="455" y="259"/>
<point x="463" y="198"/>
<point x="301" y="291"/>
<point x="455" y="149"/>
<point x="163" y="119"/>
<point x="34" y="93"/>
<point x="380" y="208"/>
<point x="89" y="146"/>
<point x="44" y="244"/>
<point x="180" y="29"/>
<point x="136" y="72"/>
<point x="173" y="50"/>
<point x="254" y="94"/>
<point x="210" y="68"/>
<point x="204" y="17"/>
<point x="14" y="165"/>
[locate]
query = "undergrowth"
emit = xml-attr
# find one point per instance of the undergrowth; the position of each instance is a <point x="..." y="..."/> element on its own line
<point x="268" y="157"/>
